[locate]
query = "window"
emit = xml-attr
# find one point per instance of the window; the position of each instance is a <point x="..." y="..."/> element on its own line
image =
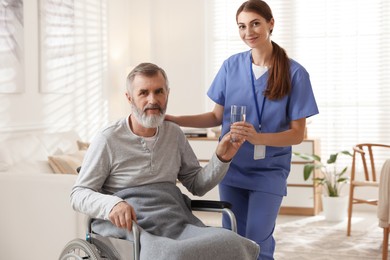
<point x="73" y="63"/>
<point x="72" y="35"/>
<point x="11" y="46"/>
<point x="344" y="45"/>
<point x="57" y="34"/>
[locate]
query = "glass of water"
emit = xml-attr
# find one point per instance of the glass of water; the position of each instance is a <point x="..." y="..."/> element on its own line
<point x="237" y="114"/>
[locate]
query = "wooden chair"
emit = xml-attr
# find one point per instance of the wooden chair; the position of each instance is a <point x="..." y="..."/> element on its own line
<point x="364" y="154"/>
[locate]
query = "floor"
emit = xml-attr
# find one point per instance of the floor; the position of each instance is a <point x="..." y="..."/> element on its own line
<point x="361" y="219"/>
<point x="315" y="237"/>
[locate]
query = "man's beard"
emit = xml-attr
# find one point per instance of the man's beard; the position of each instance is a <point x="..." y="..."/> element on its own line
<point x="148" y="121"/>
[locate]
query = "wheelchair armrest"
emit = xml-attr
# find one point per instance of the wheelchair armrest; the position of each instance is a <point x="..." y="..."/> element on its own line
<point x="213" y="204"/>
<point x="216" y="206"/>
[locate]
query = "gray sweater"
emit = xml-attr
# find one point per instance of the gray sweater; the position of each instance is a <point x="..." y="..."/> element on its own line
<point x="118" y="159"/>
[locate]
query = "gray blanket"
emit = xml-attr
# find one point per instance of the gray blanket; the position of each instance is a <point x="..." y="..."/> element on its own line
<point x="169" y="230"/>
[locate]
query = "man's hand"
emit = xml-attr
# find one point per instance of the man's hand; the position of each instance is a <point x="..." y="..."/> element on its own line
<point x="122" y="215"/>
<point x="226" y="149"/>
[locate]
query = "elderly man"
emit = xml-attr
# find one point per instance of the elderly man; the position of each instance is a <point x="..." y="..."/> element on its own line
<point x="140" y="158"/>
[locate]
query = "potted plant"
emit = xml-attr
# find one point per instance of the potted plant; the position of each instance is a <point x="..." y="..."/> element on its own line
<point x="332" y="179"/>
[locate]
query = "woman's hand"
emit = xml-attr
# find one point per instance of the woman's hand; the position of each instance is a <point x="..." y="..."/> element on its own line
<point x="244" y="130"/>
<point x="291" y="136"/>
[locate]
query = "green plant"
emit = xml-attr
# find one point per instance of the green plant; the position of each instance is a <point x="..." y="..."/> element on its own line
<point x="332" y="180"/>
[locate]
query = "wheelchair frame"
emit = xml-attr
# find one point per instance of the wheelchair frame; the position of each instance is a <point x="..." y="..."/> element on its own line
<point x="97" y="247"/>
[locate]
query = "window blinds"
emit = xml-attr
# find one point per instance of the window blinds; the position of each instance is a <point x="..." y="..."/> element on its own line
<point x="73" y="45"/>
<point x="73" y="63"/>
<point x="344" y="45"/>
<point x="11" y="47"/>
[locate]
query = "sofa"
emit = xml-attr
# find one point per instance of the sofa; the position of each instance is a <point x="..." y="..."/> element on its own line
<point x="37" y="172"/>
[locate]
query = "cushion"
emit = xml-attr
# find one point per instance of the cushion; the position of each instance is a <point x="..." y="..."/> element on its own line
<point x="29" y="167"/>
<point x="4" y="167"/>
<point x="82" y="145"/>
<point x="5" y="159"/>
<point x="65" y="141"/>
<point x="66" y="163"/>
<point x="21" y="149"/>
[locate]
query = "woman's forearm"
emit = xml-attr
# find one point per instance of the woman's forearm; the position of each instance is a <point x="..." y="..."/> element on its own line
<point x="285" y="138"/>
<point x="201" y="120"/>
<point x="205" y="120"/>
<point x="292" y="136"/>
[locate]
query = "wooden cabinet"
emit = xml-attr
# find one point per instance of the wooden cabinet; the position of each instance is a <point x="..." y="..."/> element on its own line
<point x="204" y="147"/>
<point x="303" y="197"/>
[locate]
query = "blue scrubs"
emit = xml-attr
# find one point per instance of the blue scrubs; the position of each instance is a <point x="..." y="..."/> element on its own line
<point x="256" y="187"/>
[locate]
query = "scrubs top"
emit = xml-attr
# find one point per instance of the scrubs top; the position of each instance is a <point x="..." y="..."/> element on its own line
<point x="233" y="86"/>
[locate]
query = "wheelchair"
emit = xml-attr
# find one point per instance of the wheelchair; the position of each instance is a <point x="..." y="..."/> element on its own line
<point x="97" y="247"/>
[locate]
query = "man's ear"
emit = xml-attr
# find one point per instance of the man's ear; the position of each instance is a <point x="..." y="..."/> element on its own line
<point x="128" y="97"/>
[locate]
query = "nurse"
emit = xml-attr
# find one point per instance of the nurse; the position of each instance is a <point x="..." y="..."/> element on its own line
<point x="278" y="95"/>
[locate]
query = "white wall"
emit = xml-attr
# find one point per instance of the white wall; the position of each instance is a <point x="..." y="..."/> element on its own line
<point x="169" y="33"/>
<point x="178" y="46"/>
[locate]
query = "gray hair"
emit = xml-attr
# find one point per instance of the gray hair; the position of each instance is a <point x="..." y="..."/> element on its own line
<point x="145" y="69"/>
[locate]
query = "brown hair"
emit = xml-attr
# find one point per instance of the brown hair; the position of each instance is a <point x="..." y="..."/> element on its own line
<point x="279" y="80"/>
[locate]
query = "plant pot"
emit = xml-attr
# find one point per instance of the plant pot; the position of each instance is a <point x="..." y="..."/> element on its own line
<point x="335" y="208"/>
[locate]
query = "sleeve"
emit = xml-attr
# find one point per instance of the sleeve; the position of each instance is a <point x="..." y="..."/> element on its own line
<point x="217" y="90"/>
<point x="86" y="196"/>
<point x="302" y="103"/>
<point x="199" y="180"/>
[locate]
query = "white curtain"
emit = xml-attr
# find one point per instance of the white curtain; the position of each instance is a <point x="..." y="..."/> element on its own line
<point x="344" y="45"/>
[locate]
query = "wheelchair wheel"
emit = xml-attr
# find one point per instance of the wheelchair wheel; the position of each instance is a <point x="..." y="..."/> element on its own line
<point x="79" y="249"/>
<point x="106" y="252"/>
